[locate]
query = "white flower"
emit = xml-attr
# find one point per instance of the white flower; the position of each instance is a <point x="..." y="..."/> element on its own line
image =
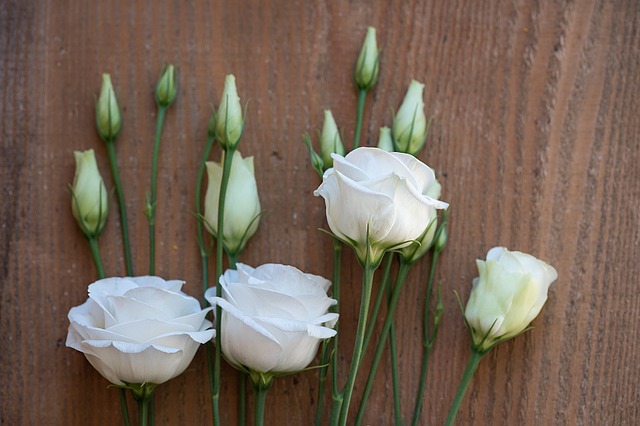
<point x="138" y="329"/>
<point x="507" y="296"/>
<point x="418" y="249"/>
<point x="88" y="194"/>
<point x="410" y="122"/>
<point x="273" y="317"/>
<point x="382" y="193"/>
<point x="242" y="205"/>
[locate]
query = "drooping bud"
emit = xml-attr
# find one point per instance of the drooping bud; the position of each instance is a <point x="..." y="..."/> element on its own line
<point x="367" y="65"/>
<point x="316" y="160"/>
<point x="385" y="142"/>
<point x="410" y="122"/>
<point x="229" y="120"/>
<point x="330" y="140"/>
<point x="108" y="118"/>
<point x="167" y="87"/>
<point x="88" y="195"/>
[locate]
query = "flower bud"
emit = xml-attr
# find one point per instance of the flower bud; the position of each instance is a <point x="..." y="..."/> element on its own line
<point x="211" y="126"/>
<point x="385" y="142"/>
<point x="330" y="140"/>
<point x="242" y="206"/>
<point x="167" y="87"/>
<point x="410" y="122"/>
<point x="441" y="241"/>
<point x="367" y="65"/>
<point x="506" y="297"/>
<point x="422" y="245"/>
<point x="108" y="118"/>
<point x="229" y="121"/>
<point x="316" y="160"/>
<point x="89" y="195"/>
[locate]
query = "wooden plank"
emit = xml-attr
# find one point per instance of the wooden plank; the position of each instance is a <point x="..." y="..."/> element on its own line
<point x="535" y="138"/>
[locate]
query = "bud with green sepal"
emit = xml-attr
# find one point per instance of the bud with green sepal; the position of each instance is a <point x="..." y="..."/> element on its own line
<point x="316" y="160"/>
<point x="330" y="140"/>
<point x="385" y="141"/>
<point x="167" y="87"/>
<point x="89" y="196"/>
<point x="367" y="65"/>
<point x="229" y="118"/>
<point x="108" y="118"/>
<point x="410" y="125"/>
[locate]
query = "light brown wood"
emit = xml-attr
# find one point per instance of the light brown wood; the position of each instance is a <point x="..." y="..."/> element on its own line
<point x="535" y="138"/>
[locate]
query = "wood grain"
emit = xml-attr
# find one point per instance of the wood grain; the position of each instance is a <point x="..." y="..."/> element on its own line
<point x="535" y="137"/>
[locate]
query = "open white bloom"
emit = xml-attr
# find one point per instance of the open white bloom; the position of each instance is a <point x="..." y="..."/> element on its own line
<point x="273" y="317"/>
<point x="507" y="296"/>
<point x="138" y="329"/>
<point x="88" y="194"/>
<point x="384" y="194"/>
<point x="242" y="205"/>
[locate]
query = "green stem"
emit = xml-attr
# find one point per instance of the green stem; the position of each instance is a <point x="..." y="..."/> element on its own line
<point x="261" y="395"/>
<point x="95" y="254"/>
<point x="336" y="408"/>
<point x="322" y="378"/>
<point x="113" y="161"/>
<point x="152" y="409"/>
<point x="472" y="365"/>
<point x="395" y="377"/>
<point x="143" y="411"/>
<point x="152" y="201"/>
<point x="226" y="171"/>
<point x="384" y="285"/>
<point x="242" y="398"/>
<point x="426" y="341"/>
<point x="362" y="96"/>
<point x="386" y="327"/>
<point x="124" y="407"/>
<point x="367" y="284"/>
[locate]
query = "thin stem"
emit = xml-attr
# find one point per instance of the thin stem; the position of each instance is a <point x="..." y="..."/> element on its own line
<point x="226" y="172"/>
<point x="322" y="378"/>
<point x="113" y="162"/>
<point x="152" y="201"/>
<point x="143" y="411"/>
<point x="242" y="398"/>
<point x="367" y="284"/>
<point x="384" y="285"/>
<point x="426" y="341"/>
<point x="124" y="407"/>
<point x="362" y="96"/>
<point x="95" y="254"/>
<point x="395" y="379"/>
<point x="261" y="395"/>
<point x="386" y="327"/>
<point x="472" y="365"/>
<point x="152" y="409"/>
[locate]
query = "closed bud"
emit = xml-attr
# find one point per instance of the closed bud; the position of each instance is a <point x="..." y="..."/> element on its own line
<point x="316" y="160"/>
<point x="229" y="120"/>
<point x="385" y="142"/>
<point x="167" y="87"/>
<point x="410" y="122"/>
<point x="330" y="140"/>
<point x="88" y="195"/>
<point x="441" y="241"/>
<point x="108" y="118"/>
<point x="242" y="205"/>
<point x="367" y="65"/>
<point x="211" y="126"/>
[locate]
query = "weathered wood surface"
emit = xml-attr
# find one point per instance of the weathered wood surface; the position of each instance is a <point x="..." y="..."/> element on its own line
<point x="535" y="137"/>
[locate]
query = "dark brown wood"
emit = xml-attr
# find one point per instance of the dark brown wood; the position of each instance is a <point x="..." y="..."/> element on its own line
<point x="535" y="138"/>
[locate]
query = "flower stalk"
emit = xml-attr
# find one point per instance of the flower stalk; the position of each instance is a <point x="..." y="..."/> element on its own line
<point x="471" y="368"/>
<point x="151" y="206"/>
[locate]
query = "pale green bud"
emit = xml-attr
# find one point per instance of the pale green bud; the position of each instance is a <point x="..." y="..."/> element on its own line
<point x="507" y="296"/>
<point x="88" y="195"/>
<point x="367" y="65"/>
<point x="410" y="122"/>
<point x="316" y="160"/>
<point x="441" y="241"/>
<point x="330" y="140"/>
<point x="385" y="142"/>
<point x="167" y="87"/>
<point x="242" y="205"/>
<point x="211" y="126"/>
<point x="229" y="121"/>
<point x="108" y="118"/>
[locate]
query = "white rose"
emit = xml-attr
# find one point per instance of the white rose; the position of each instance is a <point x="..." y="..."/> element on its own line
<point x="507" y="296"/>
<point x="273" y="317"/>
<point x="138" y="329"/>
<point x="382" y="193"/>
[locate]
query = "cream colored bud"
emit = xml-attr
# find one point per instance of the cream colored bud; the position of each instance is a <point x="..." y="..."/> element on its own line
<point x="242" y="205"/>
<point x="385" y="142"/>
<point x="88" y="195"/>
<point x="229" y="120"/>
<point x="410" y="122"/>
<point x="108" y="118"/>
<point x="507" y="296"/>
<point x="367" y="65"/>
<point x="330" y="140"/>
<point x="167" y="87"/>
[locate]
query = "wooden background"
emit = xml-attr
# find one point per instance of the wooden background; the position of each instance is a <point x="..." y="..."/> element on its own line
<point x="535" y="138"/>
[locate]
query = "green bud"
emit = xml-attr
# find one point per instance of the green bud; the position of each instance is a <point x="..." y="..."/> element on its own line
<point x="367" y="65"/>
<point x="441" y="241"/>
<point x="316" y="160"/>
<point x="229" y="120"/>
<point x="108" y="118"/>
<point x="89" y="195"/>
<point x="211" y="127"/>
<point x="330" y="140"/>
<point x="385" y="142"/>
<point x="410" y="122"/>
<point x="167" y="87"/>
